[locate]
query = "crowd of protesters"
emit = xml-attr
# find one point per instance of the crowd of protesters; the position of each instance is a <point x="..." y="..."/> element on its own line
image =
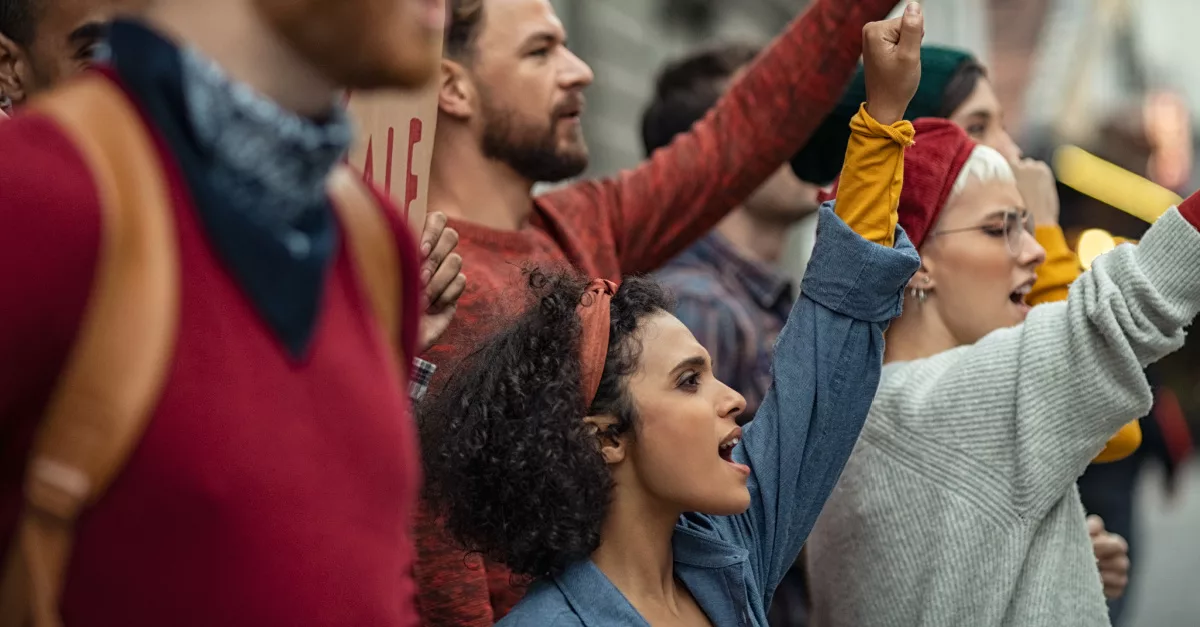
<point x="236" y="389"/>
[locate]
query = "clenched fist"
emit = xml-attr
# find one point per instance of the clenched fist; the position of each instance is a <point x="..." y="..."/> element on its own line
<point x="1036" y="183"/>
<point x="892" y="63"/>
<point x="1112" y="558"/>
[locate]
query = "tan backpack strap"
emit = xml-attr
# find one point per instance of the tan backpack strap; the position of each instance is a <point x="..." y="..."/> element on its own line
<point x="118" y="365"/>
<point x="372" y="244"/>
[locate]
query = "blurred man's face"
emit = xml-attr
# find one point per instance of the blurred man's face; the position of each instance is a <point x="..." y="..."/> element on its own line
<point x="65" y="36"/>
<point x="363" y="44"/>
<point x="783" y="199"/>
<point x="530" y="91"/>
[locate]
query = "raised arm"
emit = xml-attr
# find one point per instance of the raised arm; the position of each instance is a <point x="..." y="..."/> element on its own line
<point x="1037" y="402"/>
<point x="1061" y="268"/>
<point x="827" y="359"/>
<point x="1054" y="279"/>
<point x="659" y="208"/>
<point x="826" y="370"/>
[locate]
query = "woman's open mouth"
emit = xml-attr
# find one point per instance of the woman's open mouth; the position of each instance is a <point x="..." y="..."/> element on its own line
<point x="1018" y="296"/>
<point x="725" y="450"/>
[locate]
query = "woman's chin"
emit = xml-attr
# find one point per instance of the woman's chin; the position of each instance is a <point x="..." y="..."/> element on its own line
<point x="730" y="503"/>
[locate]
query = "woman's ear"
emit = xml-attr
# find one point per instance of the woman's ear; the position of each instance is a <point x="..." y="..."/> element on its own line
<point x="612" y="446"/>
<point x="922" y="280"/>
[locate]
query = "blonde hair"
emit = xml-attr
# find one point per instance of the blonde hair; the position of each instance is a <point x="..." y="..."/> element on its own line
<point x="984" y="164"/>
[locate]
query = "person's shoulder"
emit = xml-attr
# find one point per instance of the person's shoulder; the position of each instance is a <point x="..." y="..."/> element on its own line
<point x="48" y="195"/>
<point x="543" y="606"/>
<point x="40" y="167"/>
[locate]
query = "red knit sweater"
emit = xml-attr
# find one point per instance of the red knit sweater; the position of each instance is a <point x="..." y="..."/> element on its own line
<point x="266" y="491"/>
<point x="635" y="222"/>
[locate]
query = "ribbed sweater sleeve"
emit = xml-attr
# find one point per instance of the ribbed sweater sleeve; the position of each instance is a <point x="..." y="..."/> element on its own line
<point x="1028" y="407"/>
<point x="1054" y="279"/>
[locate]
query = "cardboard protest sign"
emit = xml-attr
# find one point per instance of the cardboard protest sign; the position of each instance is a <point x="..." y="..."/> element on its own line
<point x="393" y="146"/>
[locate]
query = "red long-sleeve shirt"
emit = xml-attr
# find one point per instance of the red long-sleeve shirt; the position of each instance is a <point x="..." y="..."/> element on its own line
<point x="633" y="223"/>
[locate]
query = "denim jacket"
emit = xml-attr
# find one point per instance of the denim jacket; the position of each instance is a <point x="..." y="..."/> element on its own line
<point x="827" y="365"/>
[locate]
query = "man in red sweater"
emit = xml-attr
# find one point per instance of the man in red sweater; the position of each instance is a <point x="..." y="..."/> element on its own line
<point x="509" y="117"/>
<point x="276" y="480"/>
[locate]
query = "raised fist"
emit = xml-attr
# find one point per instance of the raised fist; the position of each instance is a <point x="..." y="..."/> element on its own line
<point x="892" y="63"/>
<point x="1036" y="183"/>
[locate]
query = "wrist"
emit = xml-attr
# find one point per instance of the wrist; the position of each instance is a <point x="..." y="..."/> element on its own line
<point x="885" y="114"/>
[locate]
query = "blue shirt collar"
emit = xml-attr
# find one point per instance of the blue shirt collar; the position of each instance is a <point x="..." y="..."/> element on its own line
<point x="598" y="603"/>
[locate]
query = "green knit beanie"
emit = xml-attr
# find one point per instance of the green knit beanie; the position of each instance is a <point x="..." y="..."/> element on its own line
<point x="820" y="161"/>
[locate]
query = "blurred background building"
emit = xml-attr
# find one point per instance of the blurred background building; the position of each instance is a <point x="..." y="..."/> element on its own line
<point x="1118" y="78"/>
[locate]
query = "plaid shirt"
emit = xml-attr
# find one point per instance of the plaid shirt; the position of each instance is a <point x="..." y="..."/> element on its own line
<point x="422" y="374"/>
<point x="735" y="307"/>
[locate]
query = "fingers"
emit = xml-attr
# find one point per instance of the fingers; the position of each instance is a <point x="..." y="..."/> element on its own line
<point x="876" y="34"/>
<point x="1108" y="546"/>
<point x="1114" y="574"/>
<point x="1095" y="526"/>
<point x="435" y="223"/>
<point x="441" y="249"/>
<point x="447" y="285"/>
<point x="1036" y="166"/>
<point x="912" y="29"/>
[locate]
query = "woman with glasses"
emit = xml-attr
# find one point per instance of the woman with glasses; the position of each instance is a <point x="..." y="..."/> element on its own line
<point x="958" y="505"/>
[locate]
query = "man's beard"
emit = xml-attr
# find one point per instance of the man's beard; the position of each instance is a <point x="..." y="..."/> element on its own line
<point x="531" y="152"/>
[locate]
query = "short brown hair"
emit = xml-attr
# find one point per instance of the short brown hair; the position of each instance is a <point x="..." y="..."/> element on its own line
<point x="466" y="20"/>
<point x="687" y="88"/>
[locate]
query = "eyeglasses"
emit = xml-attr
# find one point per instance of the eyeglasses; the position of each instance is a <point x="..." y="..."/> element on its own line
<point x="1011" y="225"/>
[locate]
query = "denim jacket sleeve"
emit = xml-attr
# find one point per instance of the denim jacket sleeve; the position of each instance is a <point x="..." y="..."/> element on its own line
<point x="826" y="369"/>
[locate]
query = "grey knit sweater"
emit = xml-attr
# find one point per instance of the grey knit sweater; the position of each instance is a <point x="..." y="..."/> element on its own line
<point x="958" y="507"/>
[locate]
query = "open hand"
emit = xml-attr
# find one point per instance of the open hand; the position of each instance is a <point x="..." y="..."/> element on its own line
<point x="441" y="278"/>
<point x="892" y="63"/>
<point x="1036" y="183"/>
<point x="1112" y="558"/>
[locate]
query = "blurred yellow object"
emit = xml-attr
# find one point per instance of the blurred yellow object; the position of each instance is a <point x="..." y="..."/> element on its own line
<point x="1112" y="184"/>
<point x="1092" y="244"/>
<point x="1095" y="242"/>
<point x="1121" y="445"/>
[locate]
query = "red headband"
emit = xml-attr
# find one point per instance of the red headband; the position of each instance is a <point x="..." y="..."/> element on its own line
<point x="594" y="313"/>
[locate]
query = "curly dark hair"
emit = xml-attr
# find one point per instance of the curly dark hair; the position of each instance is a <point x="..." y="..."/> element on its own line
<point x="509" y="461"/>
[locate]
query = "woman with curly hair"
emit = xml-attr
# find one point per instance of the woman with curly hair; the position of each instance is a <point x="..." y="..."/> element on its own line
<point x="588" y="445"/>
<point x="589" y="448"/>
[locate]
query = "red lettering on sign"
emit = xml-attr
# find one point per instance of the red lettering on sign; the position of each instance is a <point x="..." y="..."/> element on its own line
<point x="369" y="166"/>
<point x="410" y="186"/>
<point x="387" y="185"/>
<point x="368" y="171"/>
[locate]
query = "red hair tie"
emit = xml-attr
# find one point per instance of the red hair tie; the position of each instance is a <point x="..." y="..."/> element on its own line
<point x="594" y="315"/>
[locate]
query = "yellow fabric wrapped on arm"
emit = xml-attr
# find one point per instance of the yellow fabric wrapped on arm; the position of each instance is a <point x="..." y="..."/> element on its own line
<point x="868" y="198"/>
